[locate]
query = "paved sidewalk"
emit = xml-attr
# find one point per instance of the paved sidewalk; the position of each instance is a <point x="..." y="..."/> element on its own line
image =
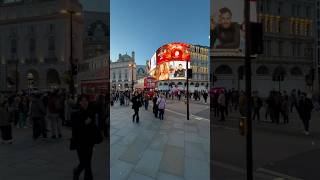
<point x="173" y="149"/>
<point x="45" y="159"/>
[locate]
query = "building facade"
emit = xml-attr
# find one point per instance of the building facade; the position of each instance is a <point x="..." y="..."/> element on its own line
<point x="289" y="44"/>
<point x="96" y="34"/>
<point x="35" y="41"/>
<point x="199" y="56"/>
<point x="122" y="73"/>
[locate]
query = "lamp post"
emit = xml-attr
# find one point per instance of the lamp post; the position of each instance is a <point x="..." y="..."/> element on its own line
<point x="132" y="82"/>
<point x="71" y="61"/>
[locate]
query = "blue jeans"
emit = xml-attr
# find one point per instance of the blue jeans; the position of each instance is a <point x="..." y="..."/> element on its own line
<point x="146" y="104"/>
<point x="161" y="113"/>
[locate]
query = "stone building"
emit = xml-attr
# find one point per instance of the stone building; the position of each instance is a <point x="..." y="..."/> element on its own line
<point x="35" y="41"/>
<point x="122" y="71"/>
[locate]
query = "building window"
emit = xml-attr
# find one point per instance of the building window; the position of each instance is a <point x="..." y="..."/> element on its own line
<point x="298" y="10"/>
<point x="14" y="46"/>
<point x="296" y="71"/>
<point x="280" y="7"/>
<point x="32" y="47"/>
<point x="293" y="49"/>
<point x="280" y="26"/>
<point x="307" y="11"/>
<point x="223" y="69"/>
<point x="51" y="44"/>
<point x="51" y="28"/>
<point x="293" y="10"/>
<point x="262" y="71"/>
<point x="280" y="53"/>
<point x="298" y="49"/>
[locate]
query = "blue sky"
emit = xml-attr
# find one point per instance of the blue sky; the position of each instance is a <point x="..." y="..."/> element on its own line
<point x="145" y="25"/>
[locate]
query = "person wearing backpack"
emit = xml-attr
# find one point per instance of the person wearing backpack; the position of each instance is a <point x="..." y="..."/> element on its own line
<point x="161" y="102"/>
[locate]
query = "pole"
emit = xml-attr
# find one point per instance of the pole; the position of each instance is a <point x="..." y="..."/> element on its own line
<point x="279" y="85"/>
<point x="71" y="85"/>
<point x="132" y="78"/>
<point x="248" y="91"/>
<point x="187" y="91"/>
<point x="17" y="61"/>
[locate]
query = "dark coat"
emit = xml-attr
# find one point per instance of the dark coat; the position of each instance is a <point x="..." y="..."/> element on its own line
<point x="83" y="134"/>
<point x="136" y="102"/>
<point x="305" y="107"/>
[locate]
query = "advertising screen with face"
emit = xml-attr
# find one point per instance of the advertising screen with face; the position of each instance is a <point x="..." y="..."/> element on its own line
<point x="171" y="61"/>
<point x="227" y="26"/>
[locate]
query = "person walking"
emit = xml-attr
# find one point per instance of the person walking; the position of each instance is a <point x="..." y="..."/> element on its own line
<point x="161" y="102"/>
<point x="85" y="135"/>
<point x="5" y="121"/>
<point x="205" y="96"/>
<point x="242" y="104"/>
<point x="136" y="104"/>
<point x="305" y="107"/>
<point x="222" y="105"/>
<point x="23" y="112"/>
<point x="155" y="106"/>
<point x="257" y="104"/>
<point x="285" y="109"/>
<point x="146" y="101"/>
<point x="53" y="116"/>
<point x="37" y="115"/>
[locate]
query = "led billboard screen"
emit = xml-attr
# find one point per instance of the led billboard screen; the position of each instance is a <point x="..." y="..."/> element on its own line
<point x="171" y="61"/>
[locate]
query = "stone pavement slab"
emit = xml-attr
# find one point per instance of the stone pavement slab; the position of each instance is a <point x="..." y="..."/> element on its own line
<point x="155" y="149"/>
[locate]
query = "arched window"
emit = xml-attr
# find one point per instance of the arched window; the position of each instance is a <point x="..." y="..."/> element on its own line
<point x="223" y="69"/>
<point x="262" y="71"/>
<point x="296" y="71"/>
<point x="179" y="83"/>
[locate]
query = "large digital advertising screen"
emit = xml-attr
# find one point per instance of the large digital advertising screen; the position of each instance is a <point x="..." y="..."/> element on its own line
<point x="171" y="62"/>
<point x="153" y="62"/>
<point x="227" y="26"/>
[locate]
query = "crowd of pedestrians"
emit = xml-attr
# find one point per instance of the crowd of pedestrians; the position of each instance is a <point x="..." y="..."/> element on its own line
<point x="47" y="112"/>
<point x="278" y="105"/>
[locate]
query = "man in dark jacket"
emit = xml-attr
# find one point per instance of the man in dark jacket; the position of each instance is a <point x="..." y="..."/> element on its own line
<point x="136" y="104"/>
<point x="37" y="114"/>
<point x="305" y="107"/>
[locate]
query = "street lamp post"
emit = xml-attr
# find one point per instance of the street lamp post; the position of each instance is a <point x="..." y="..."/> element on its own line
<point x="132" y="82"/>
<point x="71" y="61"/>
<point x="248" y="90"/>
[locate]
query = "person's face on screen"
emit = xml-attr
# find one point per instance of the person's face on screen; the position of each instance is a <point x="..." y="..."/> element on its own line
<point x="226" y="20"/>
<point x="161" y="68"/>
<point x="180" y="67"/>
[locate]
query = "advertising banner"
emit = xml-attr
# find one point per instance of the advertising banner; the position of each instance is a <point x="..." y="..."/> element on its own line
<point x="227" y="26"/>
<point x="153" y="62"/>
<point x="171" y="60"/>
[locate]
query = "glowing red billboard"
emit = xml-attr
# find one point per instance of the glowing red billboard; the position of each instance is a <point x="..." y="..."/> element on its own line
<point x="171" y="60"/>
<point x="173" y="52"/>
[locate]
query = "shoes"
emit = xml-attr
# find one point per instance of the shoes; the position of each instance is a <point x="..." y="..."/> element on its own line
<point x="60" y="136"/>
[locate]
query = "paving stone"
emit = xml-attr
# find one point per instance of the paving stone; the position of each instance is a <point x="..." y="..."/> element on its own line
<point x="196" y="169"/>
<point x="149" y="163"/>
<point x="173" y="161"/>
<point x="120" y="171"/>
<point x="136" y="176"/>
<point x="164" y="176"/>
<point x="195" y="150"/>
<point x="135" y="150"/>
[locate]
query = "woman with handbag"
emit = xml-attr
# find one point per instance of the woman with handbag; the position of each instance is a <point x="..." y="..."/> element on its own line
<point x="85" y="134"/>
